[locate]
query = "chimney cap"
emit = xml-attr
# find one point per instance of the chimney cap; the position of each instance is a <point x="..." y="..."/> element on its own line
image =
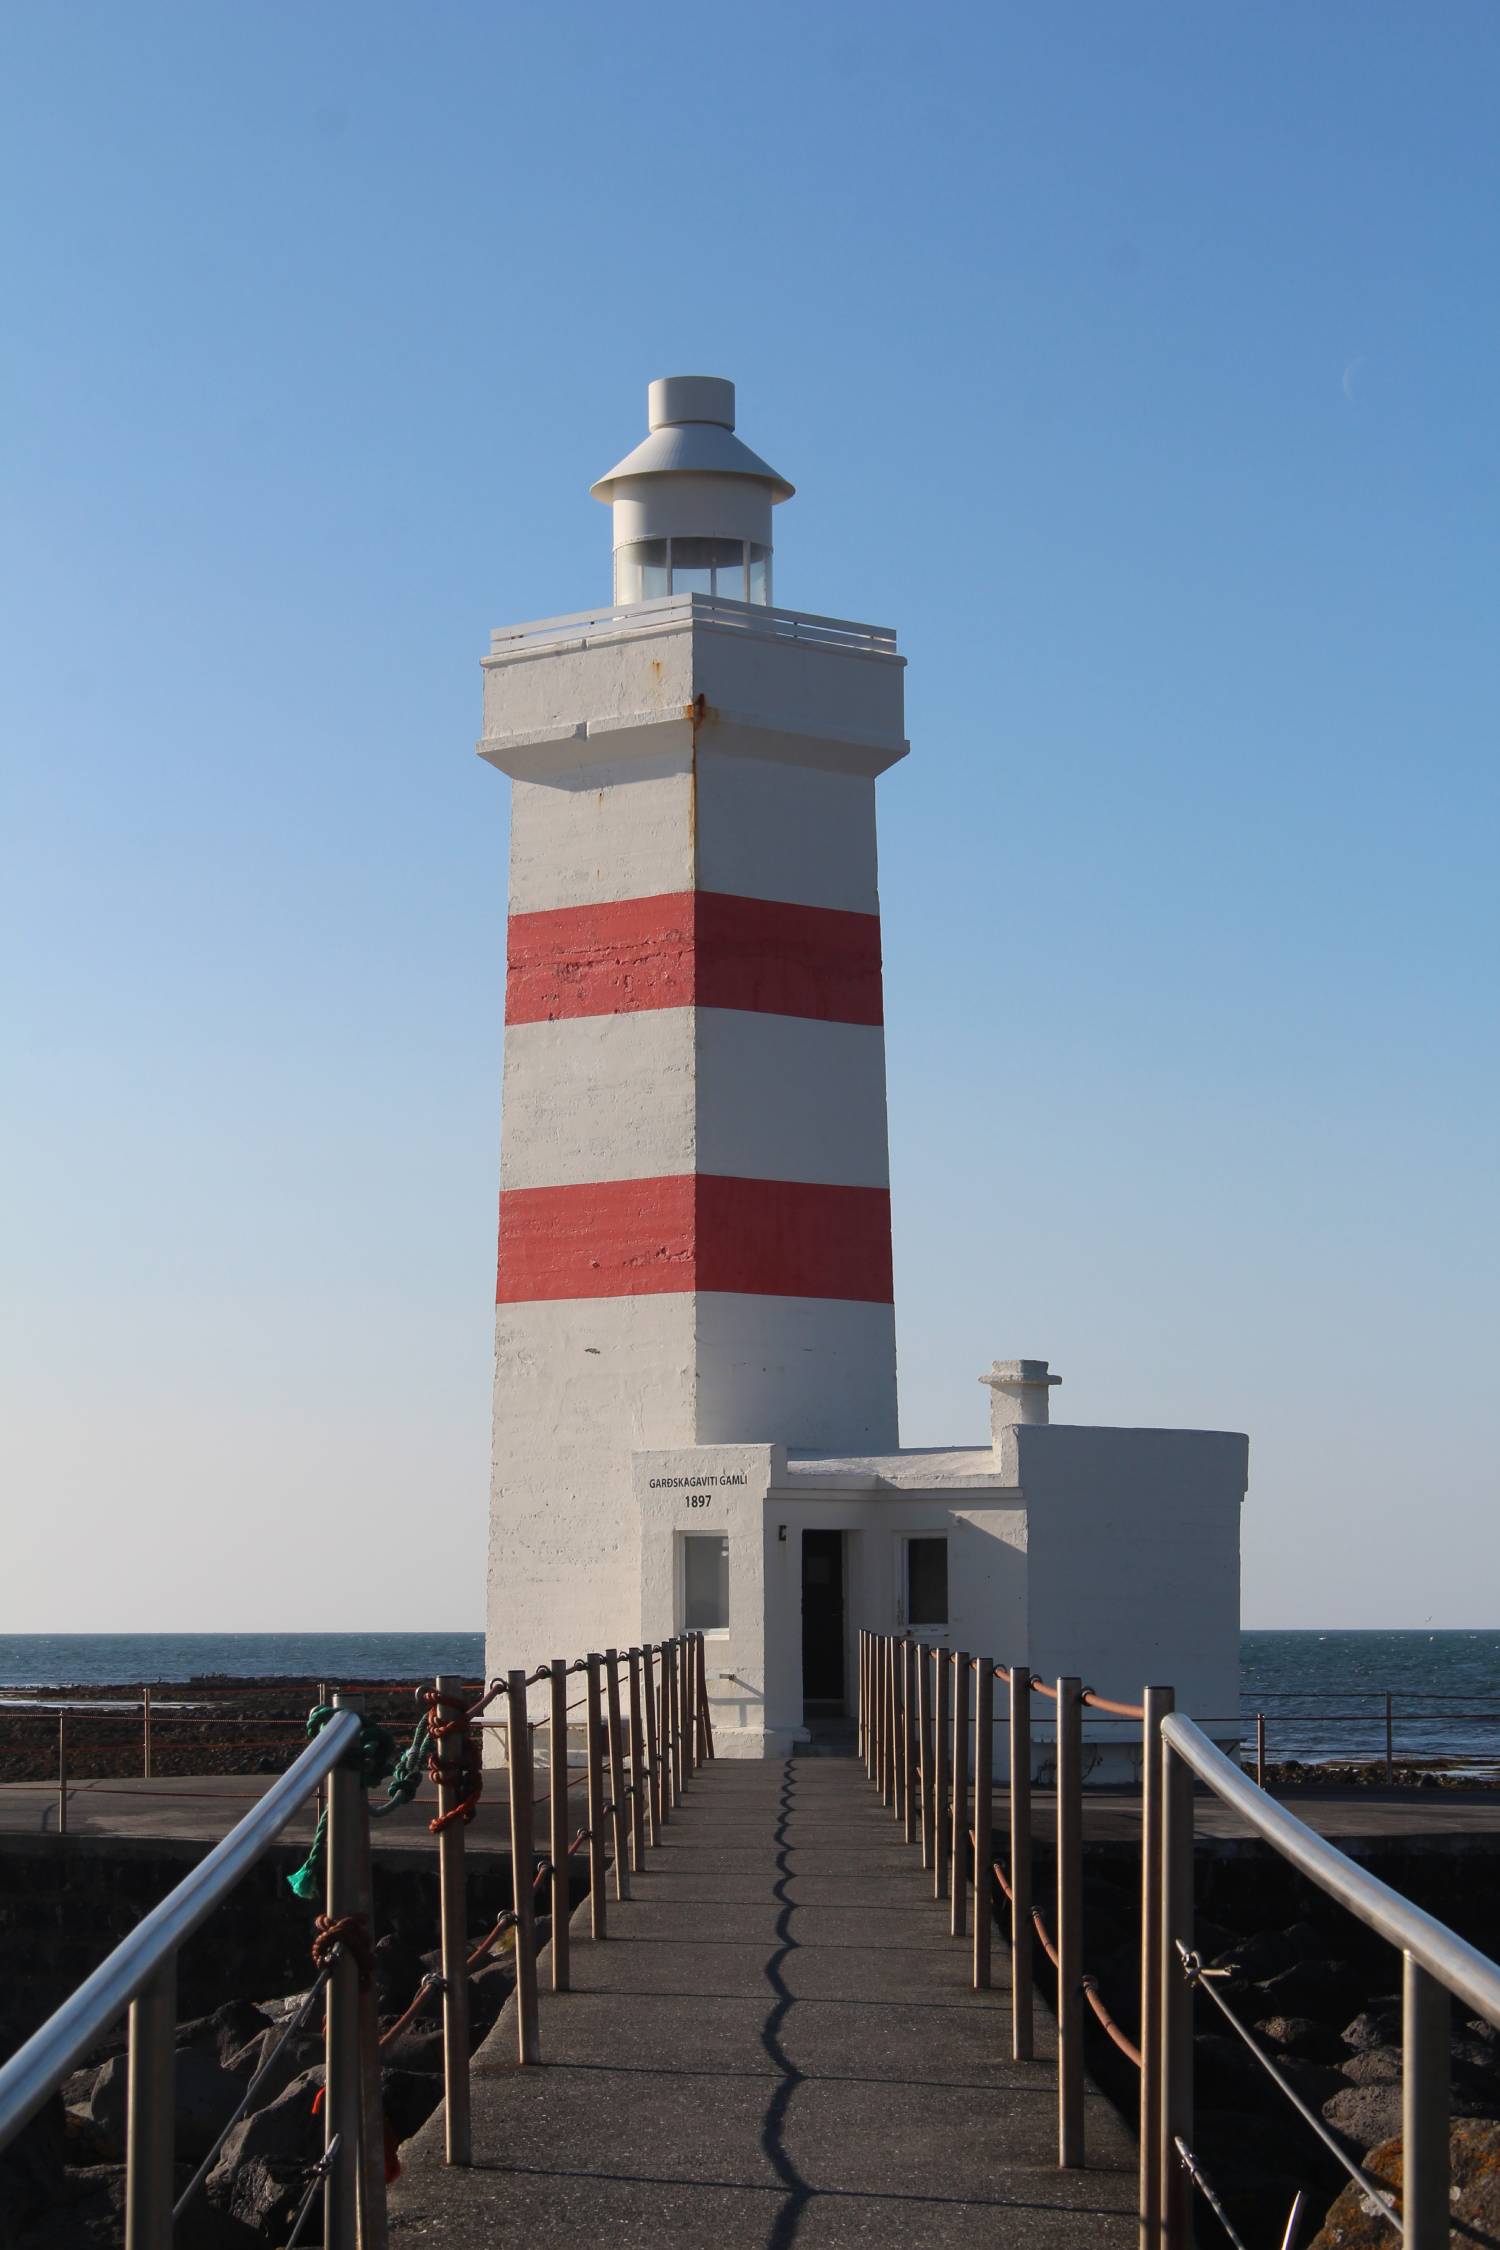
<point x="691" y="419"/>
<point x="1019" y="1374"/>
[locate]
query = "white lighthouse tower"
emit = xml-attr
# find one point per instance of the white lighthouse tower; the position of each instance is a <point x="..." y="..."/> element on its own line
<point x="695" y="1372"/>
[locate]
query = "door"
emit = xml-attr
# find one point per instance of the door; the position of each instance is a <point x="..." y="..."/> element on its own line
<point x="823" y="1620"/>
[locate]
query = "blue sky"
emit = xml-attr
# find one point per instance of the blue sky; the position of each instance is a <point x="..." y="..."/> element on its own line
<point x="1137" y="362"/>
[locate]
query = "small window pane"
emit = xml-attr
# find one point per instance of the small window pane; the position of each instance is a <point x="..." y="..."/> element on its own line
<point x="705" y="1583"/>
<point x="926" y="1581"/>
<point x="760" y="574"/>
<point x="693" y="566"/>
<point x="641" y="571"/>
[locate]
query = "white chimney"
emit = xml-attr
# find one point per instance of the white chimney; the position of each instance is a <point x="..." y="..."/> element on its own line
<point x="1018" y="1393"/>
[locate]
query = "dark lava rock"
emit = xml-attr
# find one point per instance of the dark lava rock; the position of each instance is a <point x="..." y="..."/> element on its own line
<point x="206" y="2096"/>
<point x="303" y="2051"/>
<point x="1310" y="1988"/>
<point x="284" y="2139"/>
<point x="84" y="2141"/>
<point x="1376" y="2026"/>
<point x="398" y="1972"/>
<point x="1224" y="2070"/>
<point x="1474" y="2155"/>
<point x="409" y="2098"/>
<point x="419" y="2049"/>
<point x="1365" y="2115"/>
<point x="489" y="1989"/>
<point x="1266" y="1953"/>
<point x="263" y="2196"/>
<point x="226" y="2033"/>
<point x="1374" y="2066"/>
<point x="1315" y="2082"/>
<point x="1302" y="2036"/>
<point x="31" y="2170"/>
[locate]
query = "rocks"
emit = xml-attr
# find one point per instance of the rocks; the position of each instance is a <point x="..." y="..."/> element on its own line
<point x="1474" y="2155"/>
<point x="1378" y="2026"/>
<point x="1365" y="2115"/>
<point x="226" y="2032"/>
<point x="1303" y="2036"/>
<point x="409" y="2098"/>
<point x="1267" y="1953"/>
<point x="206" y="2096"/>
<point x="1374" y="2066"/>
<point x="264" y="2163"/>
<point x="302" y="2051"/>
<point x="1309" y="1988"/>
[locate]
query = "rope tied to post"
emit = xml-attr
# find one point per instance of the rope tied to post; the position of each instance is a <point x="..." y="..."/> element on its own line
<point x="344" y="1933"/>
<point x="373" y="1754"/>
<point x="466" y="1774"/>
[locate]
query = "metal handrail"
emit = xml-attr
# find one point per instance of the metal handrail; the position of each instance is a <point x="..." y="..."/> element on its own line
<point x="1440" y="1951"/>
<point x="622" y="620"/>
<point x="35" y="2069"/>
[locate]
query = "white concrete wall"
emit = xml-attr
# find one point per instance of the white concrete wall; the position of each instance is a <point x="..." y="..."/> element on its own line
<point x="811" y="1371"/>
<point x="1134" y="1564"/>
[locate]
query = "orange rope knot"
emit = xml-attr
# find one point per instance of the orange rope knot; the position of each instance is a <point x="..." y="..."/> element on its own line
<point x="348" y="1933"/>
<point x="465" y="1774"/>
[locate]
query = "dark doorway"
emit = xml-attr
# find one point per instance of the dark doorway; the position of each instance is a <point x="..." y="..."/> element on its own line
<point x="822" y="1621"/>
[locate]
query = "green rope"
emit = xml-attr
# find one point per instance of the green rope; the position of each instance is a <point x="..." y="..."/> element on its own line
<point x="374" y="1753"/>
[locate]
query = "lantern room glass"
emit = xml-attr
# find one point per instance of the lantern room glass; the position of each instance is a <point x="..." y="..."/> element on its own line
<point x="723" y="569"/>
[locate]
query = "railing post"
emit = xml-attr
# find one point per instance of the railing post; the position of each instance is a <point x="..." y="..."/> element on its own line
<point x="1022" y="1937"/>
<point x="883" y="1717"/>
<point x="595" y="1733"/>
<point x="1390" y="1741"/>
<point x="557" y="1821"/>
<point x="984" y="1753"/>
<point x="705" y="1716"/>
<point x="921" y="1657"/>
<point x="1069" y="1923"/>
<point x="146" y="1733"/>
<point x="689" y="1716"/>
<point x="959" y="1887"/>
<point x="371" y="2206"/>
<point x="620" y="1816"/>
<point x="151" y="2112"/>
<point x="864" y="1700"/>
<point x="909" y="1782"/>
<point x="1260" y="1749"/>
<point x="637" y="1766"/>
<point x="1156" y="1702"/>
<point x="671" y="1688"/>
<point x="344" y="2073"/>
<point x="1425" y="2104"/>
<point x="1177" y="1996"/>
<point x="655" y="1796"/>
<point x="942" y="1834"/>
<point x="62" y="1773"/>
<point x="522" y="1853"/>
<point x="453" y="1919"/>
<point x="898" y="1728"/>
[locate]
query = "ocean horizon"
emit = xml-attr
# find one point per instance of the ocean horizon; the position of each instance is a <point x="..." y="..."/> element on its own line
<point x="1323" y="1693"/>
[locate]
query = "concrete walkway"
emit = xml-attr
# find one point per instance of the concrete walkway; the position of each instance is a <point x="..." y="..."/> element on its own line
<point x="775" y="2046"/>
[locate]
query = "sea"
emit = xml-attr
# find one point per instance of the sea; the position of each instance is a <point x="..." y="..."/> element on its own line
<point x="1322" y="1695"/>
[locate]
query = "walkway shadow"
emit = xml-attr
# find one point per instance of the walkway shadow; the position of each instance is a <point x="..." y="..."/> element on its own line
<point x="799" y="2193"/>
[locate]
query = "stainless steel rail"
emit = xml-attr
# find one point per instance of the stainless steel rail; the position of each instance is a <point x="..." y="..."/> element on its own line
<point x="908" y="1768"/>
<point x="81" y="2022"/>
<point x="1442" y="1953"/>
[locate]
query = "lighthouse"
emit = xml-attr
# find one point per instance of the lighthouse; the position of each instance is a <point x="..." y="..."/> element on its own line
<point x="695" y="1362"/>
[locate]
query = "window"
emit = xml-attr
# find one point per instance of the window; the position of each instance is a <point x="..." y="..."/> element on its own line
<point x="705" y="1582"/>
<point x="721" y="568"/>
<point x="641" y="571"/>
<point x="925" y="1581"/>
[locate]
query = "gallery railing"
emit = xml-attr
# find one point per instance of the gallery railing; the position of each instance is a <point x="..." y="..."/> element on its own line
<point x="643" y="1731"/>
<point x="926" y="1734"/>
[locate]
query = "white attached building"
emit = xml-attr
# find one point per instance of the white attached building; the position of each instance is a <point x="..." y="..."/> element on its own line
<point x="695" y="1378"/>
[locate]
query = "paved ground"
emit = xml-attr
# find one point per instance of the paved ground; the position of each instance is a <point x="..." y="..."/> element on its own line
<point x="775" y="2046"/>
<point x="201" y="1808"/>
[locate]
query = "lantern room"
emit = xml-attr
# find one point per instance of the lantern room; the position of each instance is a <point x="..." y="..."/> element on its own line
<point x="692" y="504"/>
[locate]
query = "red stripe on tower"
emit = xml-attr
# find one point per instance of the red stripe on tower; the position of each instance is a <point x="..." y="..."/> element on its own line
<point x="633" y="1238"/>
<point x="701" y="949"/>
